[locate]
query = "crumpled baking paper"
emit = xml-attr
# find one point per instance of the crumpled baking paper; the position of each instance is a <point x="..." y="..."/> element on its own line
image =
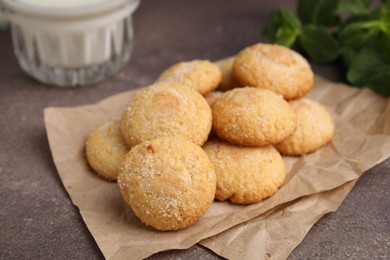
<point x="362" y="140"/>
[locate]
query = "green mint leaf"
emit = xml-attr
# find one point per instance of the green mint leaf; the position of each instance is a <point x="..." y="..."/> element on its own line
<point x="363" y="65"/>
<point x="319" y="44"/>
<point x="319" y="12"/>
<point x="371" y="16"/>
<point x="356" y="35"/>
<point x="347" y="55"/>
<point x="384" y="46"/>
<point x="385" y="17"/>
<point x="385" y="23"/>
<point x="385" y="1"/>
<point x="354" y="7"/>
<point x="380" y="81"/>
<point x="283" y="28"/>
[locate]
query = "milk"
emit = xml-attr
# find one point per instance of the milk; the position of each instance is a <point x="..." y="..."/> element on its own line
<point x="75" y="47"/>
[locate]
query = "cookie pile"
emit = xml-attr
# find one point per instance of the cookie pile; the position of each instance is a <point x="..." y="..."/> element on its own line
<point x="180" y="143"/>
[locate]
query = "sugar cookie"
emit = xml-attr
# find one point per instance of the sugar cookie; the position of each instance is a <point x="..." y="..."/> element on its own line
<point x="201" y="75"/>
<point x="105" y="149"/>
<point x="245" y="174"/>
<point x="168" y="182"/>
<point x="212" y="96"/>
<point x="253" y="117"/>
<point x="315" y="128"/>
<point x="228" y="81"/>
<point x="166" y="109"/>
<point x="274" y="67"/>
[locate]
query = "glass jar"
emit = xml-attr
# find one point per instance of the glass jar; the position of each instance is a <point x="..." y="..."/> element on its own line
<point x="73" y="42"/>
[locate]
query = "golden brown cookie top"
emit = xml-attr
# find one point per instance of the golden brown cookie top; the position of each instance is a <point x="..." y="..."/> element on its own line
<point x="106" y="148"/>
<point x="315" y="128"/>
<point x="274" y="67"/>
<point x="253" y="117"/>
<point x="168" y="182"/>
<point x="245" y="174"/>
<point x="166" y="109"/>
<point x="201" y="75"/>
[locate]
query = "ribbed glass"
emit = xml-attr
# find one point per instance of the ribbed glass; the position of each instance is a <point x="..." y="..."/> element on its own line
<point x="71" y="58"/>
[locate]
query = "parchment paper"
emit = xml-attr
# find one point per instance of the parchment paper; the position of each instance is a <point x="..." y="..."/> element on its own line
<point x="275" y="233"/>
<point x="362" y="140"/>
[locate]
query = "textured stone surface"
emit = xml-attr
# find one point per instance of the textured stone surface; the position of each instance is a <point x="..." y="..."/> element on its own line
<point x="360" y="228"/>
<point x="37" y="219"/>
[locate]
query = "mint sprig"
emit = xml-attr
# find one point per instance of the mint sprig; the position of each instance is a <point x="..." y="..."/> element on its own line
<point x="319" y="43"/>
<point x="346" y="30"/>
<point x="283" y="28"/>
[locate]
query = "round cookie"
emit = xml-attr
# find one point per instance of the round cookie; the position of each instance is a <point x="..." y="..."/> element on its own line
<point x="253" y="117"/>
<point x="315" y="128"/>
<point x="212" y="96"/>
<point x="228" y="81"/>
<point x="105" y="149"/>
<point x="201" y="75"/>
<point x="274" y="67"/>
<point x="168" y="182"/>
<point x="166" y="109"/>
<point x="245" y="174"/>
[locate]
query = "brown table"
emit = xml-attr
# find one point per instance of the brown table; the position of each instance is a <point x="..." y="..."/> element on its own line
<point x="37" y="218"/>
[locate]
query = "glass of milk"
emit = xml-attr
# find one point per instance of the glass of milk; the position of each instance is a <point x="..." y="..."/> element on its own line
<point x="71" y="42"/>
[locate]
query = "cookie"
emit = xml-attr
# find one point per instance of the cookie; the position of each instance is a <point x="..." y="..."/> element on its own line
<point x="212" y="96"/>
<point x="245" y="174"/>
<point x="274" y="67"/>
<point x="166" y="109"/>
<point x="228" y="81"/>
<point x="168" y="182"/>
<point x="253" y="117"/>
<point x="201" y="75"/>
<point x="105" y="149"/>
<point x="314" y="130"/>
